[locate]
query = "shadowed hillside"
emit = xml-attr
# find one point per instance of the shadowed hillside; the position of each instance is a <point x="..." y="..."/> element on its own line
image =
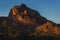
<point x="24" y="23"/>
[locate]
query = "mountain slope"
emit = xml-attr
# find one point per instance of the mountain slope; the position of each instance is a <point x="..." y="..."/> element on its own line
<point x="26" y="21"/>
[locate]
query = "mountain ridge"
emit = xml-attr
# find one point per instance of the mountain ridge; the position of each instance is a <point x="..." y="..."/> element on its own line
<point x="22" y="19"/>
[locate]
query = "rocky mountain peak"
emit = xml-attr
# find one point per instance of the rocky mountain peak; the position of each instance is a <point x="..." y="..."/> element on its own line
<point x="26" y="15"/>
<point x="24" y="20"/>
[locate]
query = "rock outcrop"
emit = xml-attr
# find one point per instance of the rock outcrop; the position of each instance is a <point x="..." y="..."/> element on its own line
<point x="26" y="15"/>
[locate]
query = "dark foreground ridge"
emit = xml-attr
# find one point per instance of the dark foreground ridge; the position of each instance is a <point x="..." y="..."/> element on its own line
<point x="24" y="23"/>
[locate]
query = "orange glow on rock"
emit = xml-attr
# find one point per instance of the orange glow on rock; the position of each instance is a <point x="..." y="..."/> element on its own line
<point x="25" y="20"/>
<point x="25" y="12"/>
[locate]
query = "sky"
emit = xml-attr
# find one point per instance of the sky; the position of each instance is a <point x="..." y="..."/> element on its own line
<point x="50" y="9"/>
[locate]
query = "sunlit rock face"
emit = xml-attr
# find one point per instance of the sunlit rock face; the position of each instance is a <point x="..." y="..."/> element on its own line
<point x="48" y="28"/>
<point x="26" y="15"/>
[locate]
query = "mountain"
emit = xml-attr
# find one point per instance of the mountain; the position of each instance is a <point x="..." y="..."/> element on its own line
<point x="26" y="17"/>
<point x="23" y="20"/>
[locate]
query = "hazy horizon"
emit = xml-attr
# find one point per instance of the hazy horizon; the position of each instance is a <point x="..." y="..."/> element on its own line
<point x="50" y="9"/>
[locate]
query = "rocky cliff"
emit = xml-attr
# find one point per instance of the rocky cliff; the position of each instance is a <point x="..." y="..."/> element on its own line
<point x="24" y="20"/>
